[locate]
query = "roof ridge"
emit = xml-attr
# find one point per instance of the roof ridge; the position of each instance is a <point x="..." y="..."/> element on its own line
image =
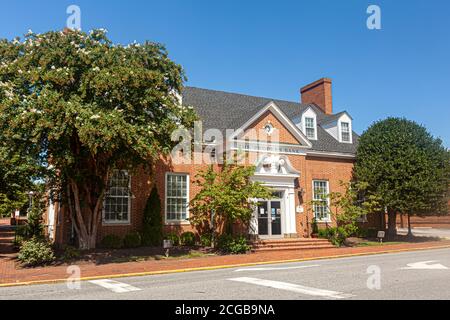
<point x="249" y="96"/>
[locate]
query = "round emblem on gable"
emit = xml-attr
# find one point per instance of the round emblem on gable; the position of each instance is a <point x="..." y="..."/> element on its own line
<point x="268" y="128"/>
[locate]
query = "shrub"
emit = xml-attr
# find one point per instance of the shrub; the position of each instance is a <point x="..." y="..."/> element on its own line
<point x="70" y="253"/>
<point x="362" y="233"/>
<point x="36" y="252"/>
<point x="337" y="235"/>
<point x="372" y="232"/>
<point x="206" y="240"/>
<point x="152" y="225"/>
<point x="323" y="233"/>
<point x="34" y="226"/>
<point x="132" y="240"/>
<point x="187" y="239"/>
<point x="112" y="241"/>
<point x="174" y="237"/>
<point x="229" y="244"/>
<point x="151" y="236"/>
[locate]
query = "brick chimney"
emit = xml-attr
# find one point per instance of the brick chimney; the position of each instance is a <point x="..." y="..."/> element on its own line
<point x="319" y="93"/>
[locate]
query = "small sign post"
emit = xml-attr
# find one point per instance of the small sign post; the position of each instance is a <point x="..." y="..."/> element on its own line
<point x="380" y="236"/>
<point x="167" y="244"/>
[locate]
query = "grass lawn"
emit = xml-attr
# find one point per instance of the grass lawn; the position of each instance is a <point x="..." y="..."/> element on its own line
<point x="140" y="258"/>
<point x="378" y="244"/>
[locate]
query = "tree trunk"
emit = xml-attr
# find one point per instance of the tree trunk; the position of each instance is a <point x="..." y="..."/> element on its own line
<point x="410" y="234"/>
<point x="392" y="223"/>
<point x="85" y="220"/>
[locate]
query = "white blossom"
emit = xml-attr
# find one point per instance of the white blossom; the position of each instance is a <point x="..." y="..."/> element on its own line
<point x="95" y="116"/>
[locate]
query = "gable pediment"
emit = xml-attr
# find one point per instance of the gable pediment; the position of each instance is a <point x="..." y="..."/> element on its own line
<point x="283" y="129"/>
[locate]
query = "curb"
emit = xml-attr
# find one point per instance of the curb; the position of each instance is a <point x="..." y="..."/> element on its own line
<point x="231" y="266"/>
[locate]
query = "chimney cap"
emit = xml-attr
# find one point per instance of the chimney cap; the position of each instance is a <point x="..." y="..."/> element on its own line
<point x="315" y="83"/>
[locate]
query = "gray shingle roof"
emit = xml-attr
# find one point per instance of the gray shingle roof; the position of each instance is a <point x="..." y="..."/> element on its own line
<point x="224" y="110"/>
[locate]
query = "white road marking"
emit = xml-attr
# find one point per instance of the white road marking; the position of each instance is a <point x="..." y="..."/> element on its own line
<point x="425" y="265"/>
<point x="115" y="286"/>
<point x="271" y="269"/>
<point x="294" y="288"/>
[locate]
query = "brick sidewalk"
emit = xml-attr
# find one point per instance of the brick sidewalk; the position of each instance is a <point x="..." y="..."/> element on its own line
<point x="10" y="273"/>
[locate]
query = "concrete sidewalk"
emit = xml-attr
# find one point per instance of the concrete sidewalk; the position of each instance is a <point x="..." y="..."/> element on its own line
<point x="11" y="273"/>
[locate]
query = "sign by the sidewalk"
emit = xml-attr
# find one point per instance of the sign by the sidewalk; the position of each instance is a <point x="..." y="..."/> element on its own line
<point x="381" y="235"/>
<point x="167" y="244"/>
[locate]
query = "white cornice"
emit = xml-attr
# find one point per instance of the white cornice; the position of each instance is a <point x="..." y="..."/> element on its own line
<point x="271" y="106"/>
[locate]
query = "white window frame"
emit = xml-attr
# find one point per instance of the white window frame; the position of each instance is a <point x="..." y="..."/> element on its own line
<point x="342" y="132"/>
<point x="328" y="219"/>
<point x="314" y="137"/>
<point x="118" y="222"/>
<point x="188" y="181"/>
<point x="309" y="113"/>
<point x="350" y="129"/>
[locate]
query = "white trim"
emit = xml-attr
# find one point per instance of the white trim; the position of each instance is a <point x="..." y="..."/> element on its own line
<point x="283" y="215"/>
<point x="271" y="106"/>
<point x="328" y="200"/>
<point x="309" y="113"/>
<point x="350" y="129"/>
<point x="188" y="181"/>
<point x="119" y="222"/>
<point x="265" y="147"/>
<point x="330" y="154"/>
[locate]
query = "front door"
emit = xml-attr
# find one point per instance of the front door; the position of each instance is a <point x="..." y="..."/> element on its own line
<point x="269" y="218"/>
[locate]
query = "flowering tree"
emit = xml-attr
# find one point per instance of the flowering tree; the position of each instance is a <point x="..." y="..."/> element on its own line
<point x="79" y="107"/>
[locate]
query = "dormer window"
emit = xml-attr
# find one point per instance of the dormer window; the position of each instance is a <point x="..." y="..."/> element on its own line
<point x="310" y="128"/>
<point x="345" y="132"/>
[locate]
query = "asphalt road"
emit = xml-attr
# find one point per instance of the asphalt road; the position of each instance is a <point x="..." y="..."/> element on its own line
<point x="426" y="277"/>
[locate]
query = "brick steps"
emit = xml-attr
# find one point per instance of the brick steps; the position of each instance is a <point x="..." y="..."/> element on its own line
<point x="290" y="244"/>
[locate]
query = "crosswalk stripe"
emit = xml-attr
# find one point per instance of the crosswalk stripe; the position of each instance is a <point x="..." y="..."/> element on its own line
<point x="115" y="286"/>
<point x="294" y="288"/>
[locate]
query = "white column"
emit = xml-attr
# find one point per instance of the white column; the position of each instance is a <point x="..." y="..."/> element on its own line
<point x="290" y="212"/>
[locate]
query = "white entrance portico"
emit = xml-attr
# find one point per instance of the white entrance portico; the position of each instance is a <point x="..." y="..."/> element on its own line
<point x="275" y="218"/>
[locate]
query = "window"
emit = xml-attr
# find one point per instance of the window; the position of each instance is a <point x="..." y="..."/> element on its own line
<point x="116" y="207"/>
<point x="321" y="200"/>
<point x="177" y="196"/>
<point x="310" y="128"/>
<point x="345" y="132"/>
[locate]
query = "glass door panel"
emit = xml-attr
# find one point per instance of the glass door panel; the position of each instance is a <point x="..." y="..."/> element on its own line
<point x="263" y="216"/>
<point x="275" y="208"/>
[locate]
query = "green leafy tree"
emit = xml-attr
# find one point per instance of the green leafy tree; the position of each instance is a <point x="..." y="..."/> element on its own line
<point x="80" y="107"/>
<point x="405" y="167"/>
<point x="346" y="208"/>
<point x="224" y="197"/>
<point x="16" y="179"/>
<point x="152" y="232"/>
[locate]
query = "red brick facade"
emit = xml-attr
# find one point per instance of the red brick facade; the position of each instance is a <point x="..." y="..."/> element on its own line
<point x="311" y="168"/>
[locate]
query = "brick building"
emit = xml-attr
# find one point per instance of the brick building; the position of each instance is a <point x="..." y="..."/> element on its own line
<point x="300" y="149"/>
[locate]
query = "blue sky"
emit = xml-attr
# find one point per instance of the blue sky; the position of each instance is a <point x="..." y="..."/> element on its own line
<point x="272" y="48"/>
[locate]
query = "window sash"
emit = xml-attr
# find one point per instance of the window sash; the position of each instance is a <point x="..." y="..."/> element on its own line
<point x="345" y="131"/>
<point x="321" y="205"/>
<point x="177" y="197"/>
<point x="116" y="206"/>
<point x="310" y="128"/>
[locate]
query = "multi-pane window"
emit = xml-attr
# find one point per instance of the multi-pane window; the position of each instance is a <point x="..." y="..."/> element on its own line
<point x="320" y="197"/>
<point x="310" y="128"/>
<point x="345" y="132"/>
<point x="116" y="208"/>
<point x="177" y="196"/>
